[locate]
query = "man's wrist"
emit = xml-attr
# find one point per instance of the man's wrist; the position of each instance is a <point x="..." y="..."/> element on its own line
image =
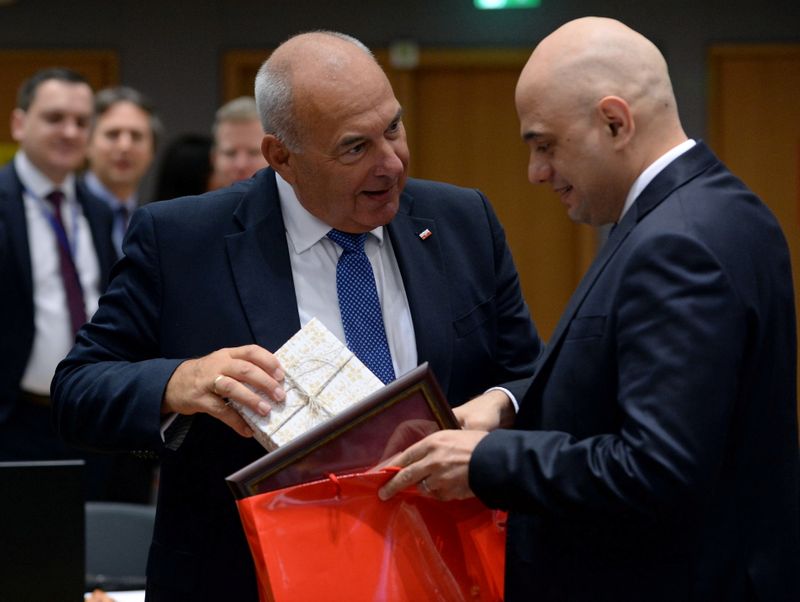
<point x="507" y="405"/>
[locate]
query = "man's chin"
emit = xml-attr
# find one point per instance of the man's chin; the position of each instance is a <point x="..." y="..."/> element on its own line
<point x="579" y="217"/>
<point x="380" y="216"/>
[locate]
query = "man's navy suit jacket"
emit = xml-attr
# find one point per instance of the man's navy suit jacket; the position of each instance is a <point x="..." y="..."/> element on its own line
<point x="202" y="273"/>
<point x="16" y="302"/>
<point x="655" y="456"/>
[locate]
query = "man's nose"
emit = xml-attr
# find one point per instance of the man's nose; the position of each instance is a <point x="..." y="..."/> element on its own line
<point x="125" y="140"/>
<point x="241" y="160"/>
<point x="539" y="171"/>
<point x="72" y="128"/>
<point x="389" y="162"/>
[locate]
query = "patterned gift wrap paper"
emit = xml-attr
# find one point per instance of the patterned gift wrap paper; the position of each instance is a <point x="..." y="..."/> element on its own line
<point x="323" y="378"/>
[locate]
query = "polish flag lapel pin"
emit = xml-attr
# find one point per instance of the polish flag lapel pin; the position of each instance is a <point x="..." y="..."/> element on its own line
<point x="424" y="234"/>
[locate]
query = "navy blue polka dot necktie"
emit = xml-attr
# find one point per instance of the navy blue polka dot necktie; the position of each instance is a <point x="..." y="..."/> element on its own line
<point x="359" y="305"/>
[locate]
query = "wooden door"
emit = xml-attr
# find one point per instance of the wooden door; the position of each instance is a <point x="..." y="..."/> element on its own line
<point x="99" y="67"/>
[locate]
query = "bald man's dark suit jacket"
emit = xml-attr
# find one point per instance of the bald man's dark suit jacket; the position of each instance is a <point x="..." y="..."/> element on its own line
<point x="16" y="301"/>
<point x="213" y="271"/>
<point x="655" y="456"/>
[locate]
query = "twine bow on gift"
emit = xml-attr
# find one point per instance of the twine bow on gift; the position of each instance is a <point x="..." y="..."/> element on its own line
<point x="322" y="377"/>
<point x="311" y="400"/>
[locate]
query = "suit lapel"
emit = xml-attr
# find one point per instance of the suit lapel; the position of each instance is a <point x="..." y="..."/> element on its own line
<point x="605" y="254"/>
<point x="422" y="268"/>
<point x="259" y="260"/>
<point x="101" y="233"/>
<point x="676" y="174"/>
<point x="17" y="227"/>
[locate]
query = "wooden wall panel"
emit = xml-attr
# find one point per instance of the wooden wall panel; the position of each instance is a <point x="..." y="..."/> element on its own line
<point x="100" y="67"/>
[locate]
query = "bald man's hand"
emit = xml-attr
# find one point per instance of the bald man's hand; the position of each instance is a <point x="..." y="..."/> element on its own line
<point x="203" y="385"/>
<point x="486" y="412"/>
<point x="438" y="465"/>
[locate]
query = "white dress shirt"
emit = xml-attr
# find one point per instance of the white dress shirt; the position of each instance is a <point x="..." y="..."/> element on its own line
<point x="98" y="189"/>
<point x="313" y="259"/>
<point x="652" y="171"/>
<point x="53" y="337"/>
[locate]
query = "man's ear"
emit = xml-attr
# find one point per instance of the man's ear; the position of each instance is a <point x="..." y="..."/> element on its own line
<point x="278" y="157"/>
<point x="17" y="124"/>
<point x="616" y="115"/>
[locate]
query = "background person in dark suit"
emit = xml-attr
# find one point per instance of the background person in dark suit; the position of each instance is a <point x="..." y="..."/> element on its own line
<point x="51" y="124"/>
<point x="655" y="455"/>
<point x="122" y="145"/>
<point x="209" y="284"/>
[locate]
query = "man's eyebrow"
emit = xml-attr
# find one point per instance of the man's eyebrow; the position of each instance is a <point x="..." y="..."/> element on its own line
<point x="350" y="141"/>
<point x="357" y="139"/>
<point x="531" y="135"/>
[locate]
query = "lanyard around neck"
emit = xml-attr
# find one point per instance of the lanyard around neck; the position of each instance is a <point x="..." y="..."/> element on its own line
<point x="70" y="243"/>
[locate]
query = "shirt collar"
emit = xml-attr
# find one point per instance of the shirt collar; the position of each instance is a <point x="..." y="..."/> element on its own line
<point x="304" y="229"/>
<point x="652" y="171"/>
<point x="38" y="184"/>
<point x="98" y="189"/>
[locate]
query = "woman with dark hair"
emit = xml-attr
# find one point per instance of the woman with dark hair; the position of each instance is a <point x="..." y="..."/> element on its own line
<point x="185" y="168"/>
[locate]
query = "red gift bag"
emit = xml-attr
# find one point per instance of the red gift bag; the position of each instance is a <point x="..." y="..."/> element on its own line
<point x="335" y="540"/>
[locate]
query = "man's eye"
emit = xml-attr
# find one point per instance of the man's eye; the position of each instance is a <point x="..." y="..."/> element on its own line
<point x="355" y="150"/>
<point x="395" y="125"/>
<point x="542" y="148"/>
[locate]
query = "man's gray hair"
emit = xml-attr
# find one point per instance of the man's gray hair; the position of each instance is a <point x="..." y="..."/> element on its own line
<point x="274" y="98"/>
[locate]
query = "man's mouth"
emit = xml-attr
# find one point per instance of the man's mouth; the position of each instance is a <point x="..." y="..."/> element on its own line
<point x="383" y="194"/>
<point x="563" y="191"/>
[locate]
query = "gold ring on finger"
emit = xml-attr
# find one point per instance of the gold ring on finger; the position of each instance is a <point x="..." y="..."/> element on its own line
<point x="216" y="381"/>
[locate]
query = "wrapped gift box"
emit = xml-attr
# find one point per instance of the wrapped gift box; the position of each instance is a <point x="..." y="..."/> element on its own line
<point x="369" y="432"/>
<point x="323" y="377"/>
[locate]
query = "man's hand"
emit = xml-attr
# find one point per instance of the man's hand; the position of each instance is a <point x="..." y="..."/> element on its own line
<point x="486" y="412"/>
<point x="203" y="385"/>
<point x="439" y="465"/>
<point x="98" y="595"/>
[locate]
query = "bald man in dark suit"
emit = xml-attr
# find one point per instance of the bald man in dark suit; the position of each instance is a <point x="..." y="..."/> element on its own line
<point x="655" y="455"/>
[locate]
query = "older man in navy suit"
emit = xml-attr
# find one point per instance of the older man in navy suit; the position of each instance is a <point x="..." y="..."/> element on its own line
<point x="209" y="284"/>
<point x="655" y="455"/>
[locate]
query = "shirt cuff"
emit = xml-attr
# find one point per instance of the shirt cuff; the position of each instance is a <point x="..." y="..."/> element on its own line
<point x="510" y="396"/>
<point x="167" y="422"/>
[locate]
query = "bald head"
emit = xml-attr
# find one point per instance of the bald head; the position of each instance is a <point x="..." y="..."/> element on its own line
<point x="309" y="65"/>
<point x="333" y="130"/>
<point x="596" y="107"/>
<point x="590" y="58"/>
